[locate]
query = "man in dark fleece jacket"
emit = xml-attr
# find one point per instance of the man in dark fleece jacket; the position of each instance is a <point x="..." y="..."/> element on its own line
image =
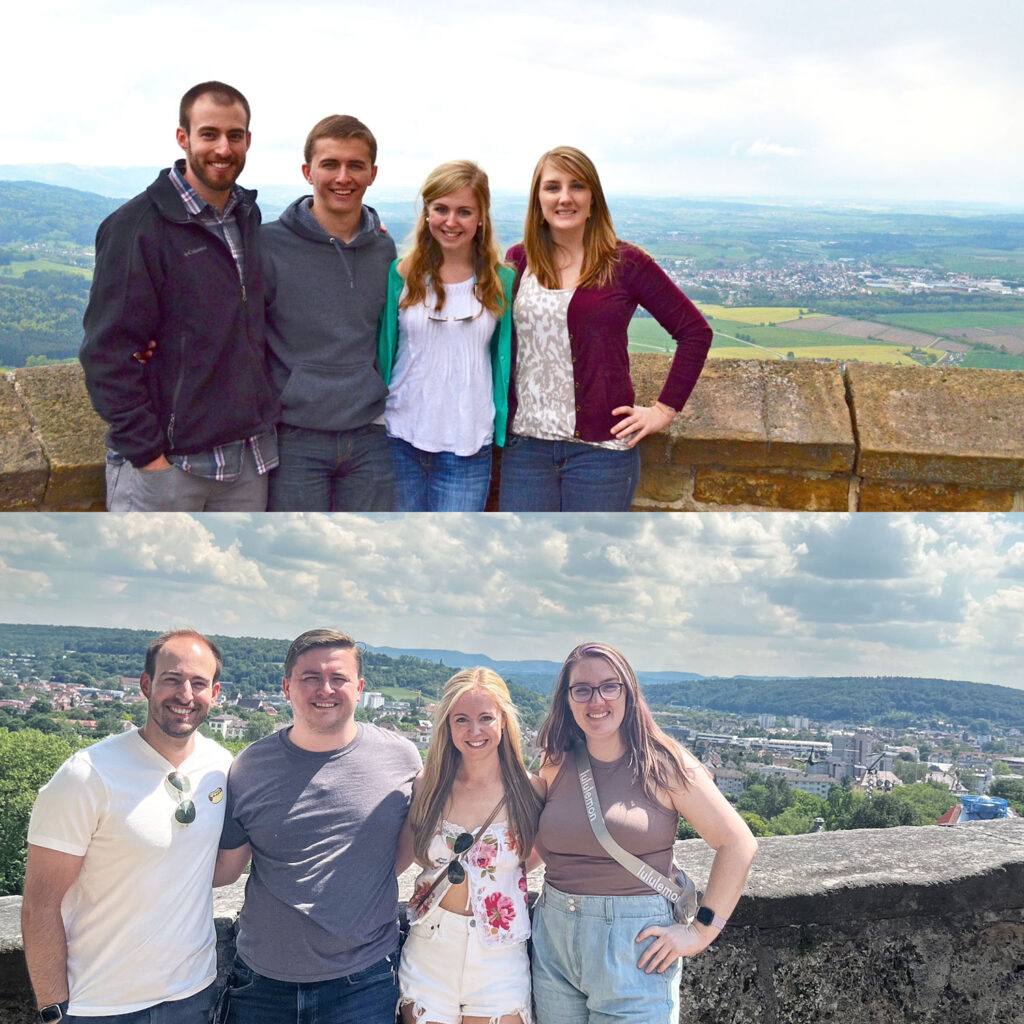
<point x="191" y="429"/>
<point x="326" y="267"/>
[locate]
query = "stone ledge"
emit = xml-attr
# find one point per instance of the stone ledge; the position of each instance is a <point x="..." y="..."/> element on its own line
<point x="23" y="466"/>
<point x="946" y="426"/>
<point x="887" y="926"/>
<point x="754" y="435"/>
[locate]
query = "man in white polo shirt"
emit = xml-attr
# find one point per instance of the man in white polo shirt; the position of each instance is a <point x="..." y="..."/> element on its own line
<point x="117" y="915"/>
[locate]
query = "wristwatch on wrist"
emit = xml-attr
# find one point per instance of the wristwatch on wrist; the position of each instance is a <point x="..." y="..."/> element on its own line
<point x="705" y="915"/>
<point x="53" y="1012"/>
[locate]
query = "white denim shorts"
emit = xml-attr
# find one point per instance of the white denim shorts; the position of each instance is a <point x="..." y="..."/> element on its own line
<point x="446" y="972"/>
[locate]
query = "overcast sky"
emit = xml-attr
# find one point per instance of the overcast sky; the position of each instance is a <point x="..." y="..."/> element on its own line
<point x="890" y="99"/>
<point x="788" y="594"/>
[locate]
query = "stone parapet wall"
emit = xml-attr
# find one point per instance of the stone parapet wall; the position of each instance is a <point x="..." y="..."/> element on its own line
<point x="881" y="926"/>
<point x="754" y="435"/>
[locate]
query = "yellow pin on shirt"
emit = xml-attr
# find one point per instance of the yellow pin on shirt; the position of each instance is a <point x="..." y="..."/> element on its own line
<point x="217" y="795"/>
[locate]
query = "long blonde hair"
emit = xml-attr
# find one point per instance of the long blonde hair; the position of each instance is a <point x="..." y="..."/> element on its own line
<point x="433" y="790"/>
<point x="655" y="758"/>
<point x="600" y="243"/>
<point x="422" y="265"/>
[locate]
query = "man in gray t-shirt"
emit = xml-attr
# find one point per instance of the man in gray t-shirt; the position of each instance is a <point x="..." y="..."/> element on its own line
<point x="319" y="808"/>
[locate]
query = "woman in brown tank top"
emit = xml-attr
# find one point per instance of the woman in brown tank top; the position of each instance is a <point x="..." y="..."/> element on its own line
<point x="605" y="944"/>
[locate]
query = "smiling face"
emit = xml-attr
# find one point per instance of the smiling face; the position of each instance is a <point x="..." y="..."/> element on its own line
<point x="453" y="221"/>
<point x="475" y="721"/>
<point x="565" y="200"/>
<point x="600" y="718"/>
<point x="323" y="689"/>
<point x="180" y="692"/>
<point x="215" y="146"/>
<point x="341" y="170"/>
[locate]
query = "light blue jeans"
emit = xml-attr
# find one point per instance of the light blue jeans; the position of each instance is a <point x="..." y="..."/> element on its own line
<point x="585" y="957"/>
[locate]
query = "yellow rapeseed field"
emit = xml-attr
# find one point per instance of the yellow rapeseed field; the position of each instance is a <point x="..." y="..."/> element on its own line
<point x="755" y="315"/>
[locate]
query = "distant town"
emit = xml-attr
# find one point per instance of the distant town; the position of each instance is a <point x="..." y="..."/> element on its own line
<point x="786" y="774"/>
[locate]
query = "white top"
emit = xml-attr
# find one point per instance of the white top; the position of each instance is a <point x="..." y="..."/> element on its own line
<point x="442" y="390"/>
<point x="545" y="385"/>
<point x="497" y="883"/>
<point x="139" y="917"/>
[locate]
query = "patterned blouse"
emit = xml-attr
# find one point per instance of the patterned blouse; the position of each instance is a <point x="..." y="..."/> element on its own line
<point x="497" y="883"/>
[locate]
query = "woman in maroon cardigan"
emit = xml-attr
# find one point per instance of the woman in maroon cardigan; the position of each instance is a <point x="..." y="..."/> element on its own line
<point x="574" y="427"/>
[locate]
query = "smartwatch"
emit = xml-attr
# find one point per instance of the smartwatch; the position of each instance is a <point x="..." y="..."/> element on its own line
<point x="706" y="916"/>
<point x="53" y="1012"/>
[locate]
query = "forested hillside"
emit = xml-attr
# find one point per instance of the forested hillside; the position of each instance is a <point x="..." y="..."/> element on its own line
<point x="33" y="212"/>
<point x="86" y="655"/>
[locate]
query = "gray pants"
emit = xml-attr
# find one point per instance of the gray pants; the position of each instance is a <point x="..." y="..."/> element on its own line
<point x="173" y="490"/>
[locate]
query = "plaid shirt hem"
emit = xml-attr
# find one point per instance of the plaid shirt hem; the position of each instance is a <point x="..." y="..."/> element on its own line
<point x="224" y="462"/>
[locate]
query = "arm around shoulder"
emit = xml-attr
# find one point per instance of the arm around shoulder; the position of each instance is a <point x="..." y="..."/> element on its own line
<point x="230" y="864"/>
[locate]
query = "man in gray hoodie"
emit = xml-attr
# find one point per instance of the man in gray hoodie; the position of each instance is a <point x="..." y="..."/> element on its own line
<point x="326" y="269"/>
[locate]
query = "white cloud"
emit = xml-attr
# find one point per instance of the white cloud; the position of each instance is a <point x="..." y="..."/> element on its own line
<point x="765" y="147"/>
<point x="908" y="100"/>
<point x="716" y="594"/>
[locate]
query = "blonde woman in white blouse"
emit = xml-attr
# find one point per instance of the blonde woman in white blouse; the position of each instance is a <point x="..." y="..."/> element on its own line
<point x="445" y="348"/>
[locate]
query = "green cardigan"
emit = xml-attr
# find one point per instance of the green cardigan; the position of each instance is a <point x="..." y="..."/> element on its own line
<point x="501" y="344"/>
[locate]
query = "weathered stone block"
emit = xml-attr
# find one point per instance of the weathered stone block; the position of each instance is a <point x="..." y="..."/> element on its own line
<point x="771" y="490"/>
<point x="665" y="483"/>
<point x="23" y="467"/>
<point x="892" y="496"/>
<point x="742" y="413"/>
<point x="70" y="432"/>
<point x="942" y="425"/>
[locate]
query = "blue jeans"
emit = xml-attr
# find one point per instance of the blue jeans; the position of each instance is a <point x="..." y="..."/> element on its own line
<point x="332" y="471"/>
<point x="366" y="997"/>
<point x="191" y="1010"/>
<point x="440" y="481"/>
<point x="566" y="476"/>
<point x="585" y="957"/>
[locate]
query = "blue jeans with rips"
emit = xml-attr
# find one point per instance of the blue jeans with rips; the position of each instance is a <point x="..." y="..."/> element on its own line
<point x="439" y="481"/>
<point x="369" y="996"/>
<point x="566" y="476"/>
<point x="332" y="471"/>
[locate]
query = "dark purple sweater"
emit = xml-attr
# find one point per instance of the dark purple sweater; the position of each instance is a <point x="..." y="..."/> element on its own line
<point x="598" y="322"/>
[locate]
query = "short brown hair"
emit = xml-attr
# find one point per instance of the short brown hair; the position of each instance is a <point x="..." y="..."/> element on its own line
<point x="224" y="95"/>
<point x="158" y="645"/>
<point x="314" y="638"/>
<point x="339" y="126"/>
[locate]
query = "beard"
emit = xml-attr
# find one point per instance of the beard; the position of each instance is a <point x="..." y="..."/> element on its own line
<point x="217" y="181"/>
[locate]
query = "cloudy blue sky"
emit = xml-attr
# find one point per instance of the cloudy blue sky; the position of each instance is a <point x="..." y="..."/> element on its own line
<point x="914" y="99"/>
<point x="924" y="595"/>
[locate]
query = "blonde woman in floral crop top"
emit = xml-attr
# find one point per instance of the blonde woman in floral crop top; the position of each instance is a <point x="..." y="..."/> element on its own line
<point x="471" y="825"/>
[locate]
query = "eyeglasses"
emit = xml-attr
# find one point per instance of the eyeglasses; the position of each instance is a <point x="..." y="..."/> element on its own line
<point x="456" y="319"/>
<point x="456" y="872"/>
<point x="581" y="693"/>
<point x="185" y="812"/>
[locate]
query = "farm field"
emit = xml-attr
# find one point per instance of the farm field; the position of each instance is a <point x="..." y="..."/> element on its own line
<point x="888" y="354"/>
<point x="944" y="323"/>
<point x="19" y="268"/>
<point x="755" y="315"/>
<point x="737" y="338"/>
